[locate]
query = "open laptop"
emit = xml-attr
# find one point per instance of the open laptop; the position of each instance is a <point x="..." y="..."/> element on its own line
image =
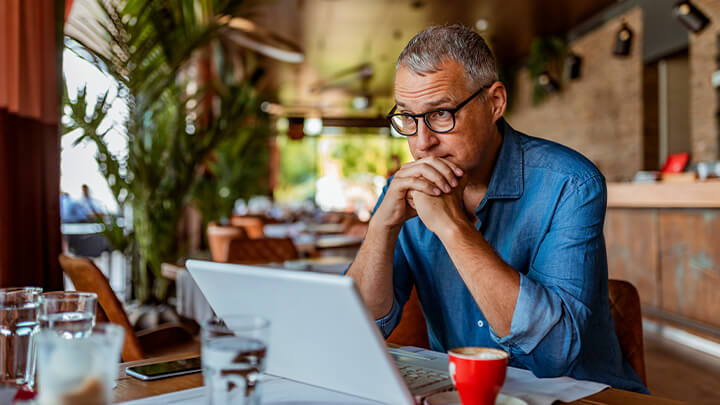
<point x="321" y="332"/>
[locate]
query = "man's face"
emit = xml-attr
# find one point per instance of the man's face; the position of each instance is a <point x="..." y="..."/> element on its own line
<point x="466" y="145"/>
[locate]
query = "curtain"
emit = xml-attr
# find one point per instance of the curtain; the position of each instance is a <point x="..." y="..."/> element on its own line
<point x="30" y="74"/>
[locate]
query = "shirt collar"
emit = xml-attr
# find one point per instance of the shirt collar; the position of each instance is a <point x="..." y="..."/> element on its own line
<point x="506" y="180"/>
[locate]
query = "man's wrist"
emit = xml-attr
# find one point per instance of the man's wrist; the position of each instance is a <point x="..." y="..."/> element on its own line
<point x="454" y="229"/>
<point x="380" y="229"/>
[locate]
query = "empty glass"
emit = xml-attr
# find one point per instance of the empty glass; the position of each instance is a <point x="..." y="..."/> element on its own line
<point x="18" y="327"/>
<point x="69" y="313"/>
<point x="233" y="358"/>
<point x="79" y="370"/>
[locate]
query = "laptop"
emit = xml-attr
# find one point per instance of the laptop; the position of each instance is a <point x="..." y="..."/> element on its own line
<point x="321" y="333"/>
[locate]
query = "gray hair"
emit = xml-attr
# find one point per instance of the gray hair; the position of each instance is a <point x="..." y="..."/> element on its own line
<point x="432" y="47"/>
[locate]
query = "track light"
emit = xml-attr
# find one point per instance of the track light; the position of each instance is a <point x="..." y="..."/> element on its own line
<point x="690" y="16"/>
<point x="573" y="63"/>
<point x="623" y="41"/>
<point x="547" y="82"/>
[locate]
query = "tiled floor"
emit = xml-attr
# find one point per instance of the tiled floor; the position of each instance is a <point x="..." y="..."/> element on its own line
<point x="678" y="372"/>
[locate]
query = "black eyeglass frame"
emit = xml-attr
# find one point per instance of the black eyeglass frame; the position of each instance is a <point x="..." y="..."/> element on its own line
<point x="452" y="112"/>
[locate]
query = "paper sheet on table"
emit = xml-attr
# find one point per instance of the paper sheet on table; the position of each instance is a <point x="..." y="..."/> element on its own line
<point x="535" y="391"/>
<point x="275" y="391"/>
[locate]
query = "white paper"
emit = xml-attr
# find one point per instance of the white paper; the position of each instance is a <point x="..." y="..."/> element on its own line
<point x="523" y="384"/>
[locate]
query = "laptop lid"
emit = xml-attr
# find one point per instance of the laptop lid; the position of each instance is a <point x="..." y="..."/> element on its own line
<point x="321" y="332"/>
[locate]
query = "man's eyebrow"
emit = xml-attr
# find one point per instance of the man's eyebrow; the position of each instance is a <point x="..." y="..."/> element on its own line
<point x="430" y="104"/>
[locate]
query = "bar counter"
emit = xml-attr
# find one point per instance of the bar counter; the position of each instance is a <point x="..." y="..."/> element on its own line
<point x="663" y="238"/>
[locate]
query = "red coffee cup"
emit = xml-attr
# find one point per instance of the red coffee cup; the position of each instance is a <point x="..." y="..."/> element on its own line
<point x="478" y="373"/>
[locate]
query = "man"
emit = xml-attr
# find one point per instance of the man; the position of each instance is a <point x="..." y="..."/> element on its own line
<point x="90" y="206"/>
<point x="501" y="233"/>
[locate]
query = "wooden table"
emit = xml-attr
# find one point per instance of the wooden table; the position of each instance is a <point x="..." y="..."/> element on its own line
<point x="130" y="388"/>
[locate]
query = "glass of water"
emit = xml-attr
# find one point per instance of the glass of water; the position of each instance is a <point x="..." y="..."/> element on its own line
<point x="69" y="313"/>
<point x="234" y="350"/>
<point x="18" y="327"/>
<point x="81" y="369"/>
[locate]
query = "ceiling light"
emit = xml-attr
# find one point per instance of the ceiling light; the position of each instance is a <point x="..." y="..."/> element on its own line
<point x="481" y="25"/>
<point x="690" y="16"/>
<point x="313" y="126"/>
<point x="547" y="82"/>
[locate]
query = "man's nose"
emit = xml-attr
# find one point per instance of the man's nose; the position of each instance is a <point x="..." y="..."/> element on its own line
<point x="426" y="138"/>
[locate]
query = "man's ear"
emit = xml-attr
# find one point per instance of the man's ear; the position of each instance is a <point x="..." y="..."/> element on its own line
<point x="497" y="97"/>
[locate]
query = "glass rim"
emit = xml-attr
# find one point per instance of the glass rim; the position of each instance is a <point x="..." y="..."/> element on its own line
<point x="68" y="295"/>
<point x="105" y="330"/>
<point x="242" y="323"/>
<point x="10" y="290"/>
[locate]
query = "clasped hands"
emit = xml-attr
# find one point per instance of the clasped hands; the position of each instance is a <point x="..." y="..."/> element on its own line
<point x="431" y="188"/>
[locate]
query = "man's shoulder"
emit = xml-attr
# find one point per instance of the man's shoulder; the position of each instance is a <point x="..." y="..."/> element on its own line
<point x="548" y="157"/>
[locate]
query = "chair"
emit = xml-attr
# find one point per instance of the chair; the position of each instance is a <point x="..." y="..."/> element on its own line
<point x="164" y="339"/>
<point x="219" y="238"/>
<point x="252" y="225"/>
<point x="627" y="316"/>
<point x="411" y="331"/>
<point x="357" y="228"/>
<point x="261" y="250"/>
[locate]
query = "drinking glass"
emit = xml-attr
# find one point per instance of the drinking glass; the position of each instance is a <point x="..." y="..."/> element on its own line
<point x="234" y="350"/>
<point x="18" y="327"/>
<point x="79" y="368"/>
<point x="69" y="313"/>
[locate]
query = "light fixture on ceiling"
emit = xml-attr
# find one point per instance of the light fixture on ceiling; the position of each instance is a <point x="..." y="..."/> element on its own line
<point x="481" y="25"/>
<point x="573" y="65"/>
<point x="313" y="126"/>
<point x="252" y="36"/>
<point x="547" y="83"/>
<point x="362" y="102"/>
<point x="690" y="16"/>
<point x="623" y="41"/>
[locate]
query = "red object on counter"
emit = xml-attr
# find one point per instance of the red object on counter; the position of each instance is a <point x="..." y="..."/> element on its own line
<point x="676" y="163"/>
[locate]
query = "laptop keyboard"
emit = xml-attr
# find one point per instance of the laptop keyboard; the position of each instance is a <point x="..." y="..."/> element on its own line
<point x="419" y="377"/>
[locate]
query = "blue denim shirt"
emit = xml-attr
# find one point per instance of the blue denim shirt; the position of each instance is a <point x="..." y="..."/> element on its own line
<point x="543" y="213"/>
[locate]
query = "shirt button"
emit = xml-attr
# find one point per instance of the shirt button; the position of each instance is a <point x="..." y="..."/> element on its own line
<point x="481" y="323"/>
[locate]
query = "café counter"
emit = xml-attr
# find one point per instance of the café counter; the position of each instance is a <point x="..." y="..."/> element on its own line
<point x="663" y="238"/>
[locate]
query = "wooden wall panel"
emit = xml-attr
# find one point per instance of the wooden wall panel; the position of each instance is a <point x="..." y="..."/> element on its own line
<point x="631" y="236"/>
<point x="690" y="264"/>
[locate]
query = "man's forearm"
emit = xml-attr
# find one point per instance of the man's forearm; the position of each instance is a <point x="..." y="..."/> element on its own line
<point x="493" y="283"/>
<point x="372" y="269"/>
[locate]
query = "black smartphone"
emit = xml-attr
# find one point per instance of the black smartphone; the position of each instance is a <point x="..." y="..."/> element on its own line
<point x="165" y="369"/>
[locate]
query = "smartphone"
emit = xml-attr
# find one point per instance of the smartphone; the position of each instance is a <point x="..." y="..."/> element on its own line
<point x="166" y="369"/>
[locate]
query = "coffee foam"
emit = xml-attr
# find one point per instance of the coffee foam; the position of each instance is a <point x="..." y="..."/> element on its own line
<point x="479" y="353"/>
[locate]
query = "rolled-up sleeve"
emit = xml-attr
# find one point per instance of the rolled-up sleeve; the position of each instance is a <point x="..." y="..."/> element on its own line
<point x="562" y="284"/>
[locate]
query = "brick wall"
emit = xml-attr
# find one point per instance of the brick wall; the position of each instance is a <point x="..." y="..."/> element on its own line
<point x="600" y="114"/>
<point x="703" y="99"/>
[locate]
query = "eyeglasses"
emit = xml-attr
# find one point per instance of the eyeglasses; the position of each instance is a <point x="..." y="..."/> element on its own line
<point x="440" y="121"/>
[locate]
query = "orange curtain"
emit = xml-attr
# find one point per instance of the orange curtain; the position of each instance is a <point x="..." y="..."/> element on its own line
<point x="30" y="72"/>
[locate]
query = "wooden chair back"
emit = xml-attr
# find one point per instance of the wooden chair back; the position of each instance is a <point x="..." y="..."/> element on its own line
<point x="262" y="250"/>
<point x="86" y="277"/>
<point x="219" y="238"/>
<point x="627" y="316"/>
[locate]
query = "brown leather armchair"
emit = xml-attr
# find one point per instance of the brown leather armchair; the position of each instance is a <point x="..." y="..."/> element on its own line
<point x="627" y="316"/>
<point x="411" y="331"/>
